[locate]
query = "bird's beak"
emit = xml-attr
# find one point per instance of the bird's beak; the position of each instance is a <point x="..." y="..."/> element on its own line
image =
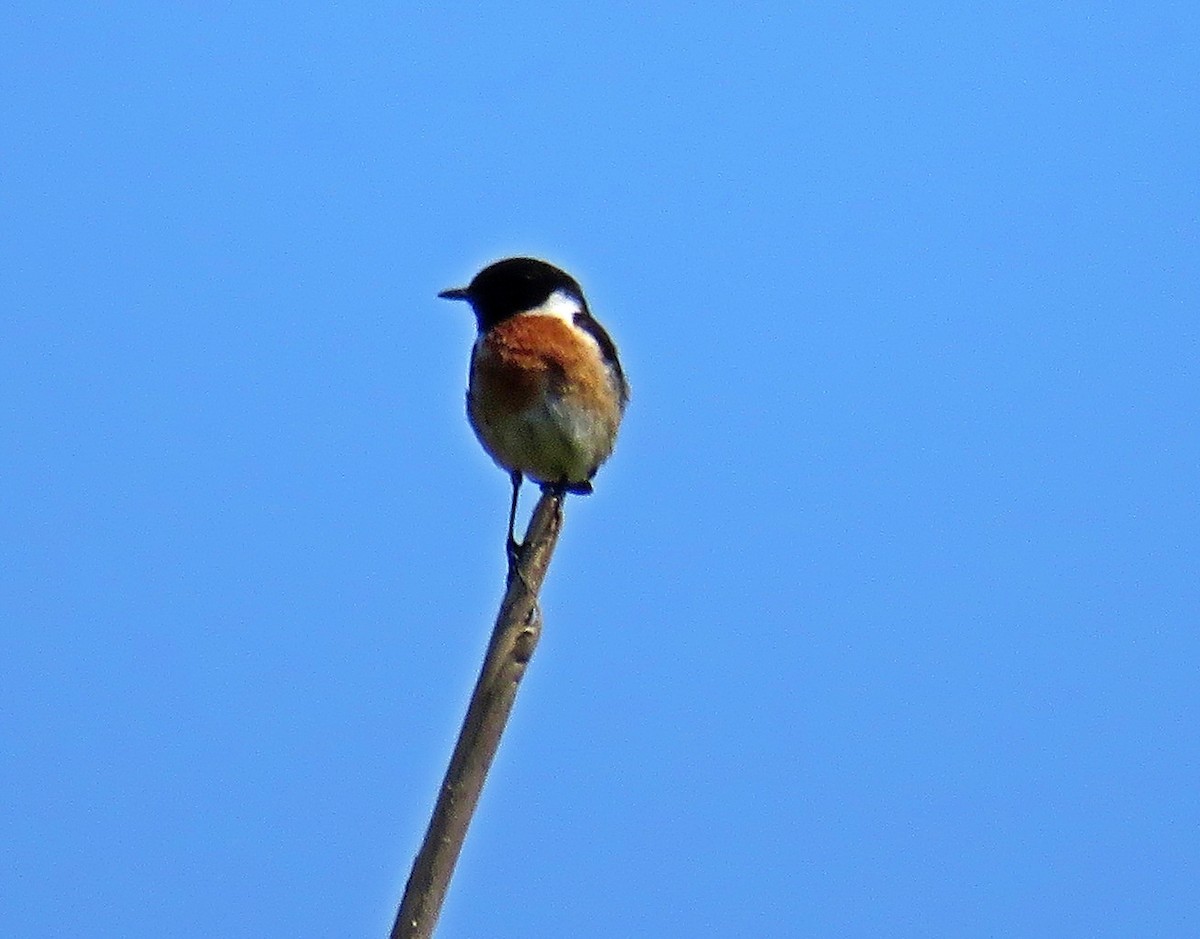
<point x="455" y="293"/>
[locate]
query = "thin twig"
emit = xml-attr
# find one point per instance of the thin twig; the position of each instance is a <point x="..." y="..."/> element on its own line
<point x="518" y="628"/>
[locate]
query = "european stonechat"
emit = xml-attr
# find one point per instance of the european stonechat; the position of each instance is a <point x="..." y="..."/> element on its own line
<point x="546" y="391"/>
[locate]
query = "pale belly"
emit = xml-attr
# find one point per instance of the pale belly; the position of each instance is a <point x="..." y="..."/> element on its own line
<point x="551" y="441"/>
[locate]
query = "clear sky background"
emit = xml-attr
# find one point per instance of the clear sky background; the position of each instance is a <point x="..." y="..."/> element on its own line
<point x="883" y="620"/>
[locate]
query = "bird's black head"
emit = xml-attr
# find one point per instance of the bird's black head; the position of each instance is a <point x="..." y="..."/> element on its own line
<point x="513" y="286"/>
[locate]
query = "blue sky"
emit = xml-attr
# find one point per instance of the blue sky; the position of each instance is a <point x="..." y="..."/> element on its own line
<point x="883" y="618"/>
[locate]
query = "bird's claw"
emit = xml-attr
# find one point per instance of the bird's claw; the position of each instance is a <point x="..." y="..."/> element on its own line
<point x="513" y="550"/>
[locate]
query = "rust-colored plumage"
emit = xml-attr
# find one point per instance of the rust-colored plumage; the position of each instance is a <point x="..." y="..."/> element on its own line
<point x="546" y="392"/>
<point x="542" y="400"/>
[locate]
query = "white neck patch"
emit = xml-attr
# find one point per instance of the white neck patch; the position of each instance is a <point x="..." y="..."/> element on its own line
<point x="561" y="305"/>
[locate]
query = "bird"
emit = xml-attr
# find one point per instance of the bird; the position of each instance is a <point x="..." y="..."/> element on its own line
<point x="546" y="392"/>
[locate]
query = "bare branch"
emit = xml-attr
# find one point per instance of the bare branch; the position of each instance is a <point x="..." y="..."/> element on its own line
<point x="518" y="628"/>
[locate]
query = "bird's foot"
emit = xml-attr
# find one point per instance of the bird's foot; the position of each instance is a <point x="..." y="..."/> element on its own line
<point x="562" y="487"/>
<point x="514" y="550"/>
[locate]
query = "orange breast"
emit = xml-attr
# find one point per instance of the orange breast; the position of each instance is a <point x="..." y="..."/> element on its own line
<point x="528" y="356"/>
<point x="542" y="400"/>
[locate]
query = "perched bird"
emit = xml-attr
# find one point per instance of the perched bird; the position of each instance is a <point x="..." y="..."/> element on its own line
<point x="546" y="392"/>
